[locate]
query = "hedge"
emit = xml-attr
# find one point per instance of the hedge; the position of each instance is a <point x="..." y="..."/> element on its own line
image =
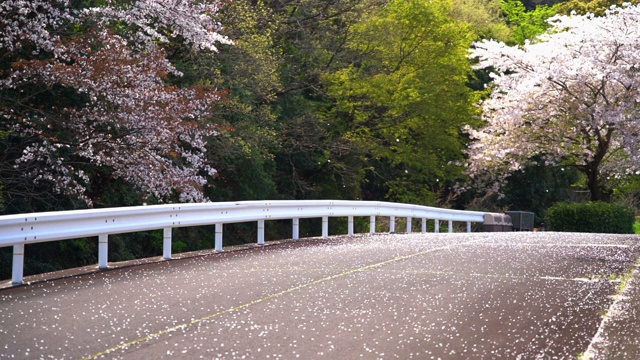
<point x="590" y="217"/>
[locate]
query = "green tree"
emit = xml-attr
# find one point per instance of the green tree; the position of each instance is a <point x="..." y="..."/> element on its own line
<point x="248" y="71"/>
<point x="485" y="18"/>
<point x="538" y="187"/>
<point x="526" y="24"/>
<point x="313" y="159"/>
<point x="597" y="7"/>
<point x="404" y="98"/>
<point x="275" y="142"/>
<point x="553" y="99"/>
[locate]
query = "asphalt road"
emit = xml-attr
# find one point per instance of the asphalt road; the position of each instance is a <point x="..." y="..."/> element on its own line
<point x="421" y="296"/>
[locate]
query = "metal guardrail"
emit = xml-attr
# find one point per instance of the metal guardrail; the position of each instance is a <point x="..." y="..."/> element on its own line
<point x="18" y="230"/>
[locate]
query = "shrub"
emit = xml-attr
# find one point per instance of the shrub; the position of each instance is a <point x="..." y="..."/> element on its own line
<point x="591" y="217"/>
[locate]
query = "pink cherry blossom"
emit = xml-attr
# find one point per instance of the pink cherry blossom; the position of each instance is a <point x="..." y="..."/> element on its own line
<point x="125" y="115"/>
<point x="571" y="96"/>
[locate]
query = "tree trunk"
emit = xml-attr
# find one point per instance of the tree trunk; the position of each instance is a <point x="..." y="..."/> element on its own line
<point x="597" y="191"/>
<point x="592" y="169"/>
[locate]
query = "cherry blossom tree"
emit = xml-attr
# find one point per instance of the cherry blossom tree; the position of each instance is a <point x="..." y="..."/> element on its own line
<point x="87" y="87"/>
<point x="572" y="97"/>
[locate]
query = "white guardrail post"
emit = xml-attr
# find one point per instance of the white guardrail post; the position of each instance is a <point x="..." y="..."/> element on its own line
<point x="295" y="229"/>
<point x="325" y="227"/>
<point x="18" y="230"/>
<point x="103" y="251"/>
<point x="166" y="243"/>
<point x="261" y="232"/>
<point x="218" y="238"/>
<point x="18" y="264"/>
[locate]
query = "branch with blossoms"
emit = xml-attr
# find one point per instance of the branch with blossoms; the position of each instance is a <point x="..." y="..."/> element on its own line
<point x="98" y="97"/>
<point x="571" y="96"/>
<point x="161" y="21"/>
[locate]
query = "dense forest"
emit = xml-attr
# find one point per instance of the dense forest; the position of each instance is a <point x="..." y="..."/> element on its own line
<point x="125" y="103"/>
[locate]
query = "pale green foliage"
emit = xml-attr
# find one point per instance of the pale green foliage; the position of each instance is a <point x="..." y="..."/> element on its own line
<point x="252" y="60"/>
<point x="527" y="24"/>
<point x="405" y="98"/>
<point x="485" y="17"/>
<point x="597" y="7"/>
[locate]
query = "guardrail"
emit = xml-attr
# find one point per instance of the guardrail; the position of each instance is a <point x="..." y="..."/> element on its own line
<point x="21" y="229"/>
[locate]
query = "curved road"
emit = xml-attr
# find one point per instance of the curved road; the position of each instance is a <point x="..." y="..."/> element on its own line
<point x="422" y="296"/>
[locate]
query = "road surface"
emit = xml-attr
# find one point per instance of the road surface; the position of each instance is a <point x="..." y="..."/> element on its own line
<point x="401" y="296"/>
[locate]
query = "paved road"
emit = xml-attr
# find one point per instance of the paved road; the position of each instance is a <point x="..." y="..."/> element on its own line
<point x="422" y="296"/>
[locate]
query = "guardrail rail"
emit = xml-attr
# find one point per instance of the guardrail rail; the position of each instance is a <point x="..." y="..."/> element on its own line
<point x="18" y="230"/>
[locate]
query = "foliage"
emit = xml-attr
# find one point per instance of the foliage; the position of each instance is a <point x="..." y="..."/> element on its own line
<point x="314" y="159"/>
<point x="537" y="187"/>
<point x="636" y="227"/>
<point x="484" y="17"/>
<point x="404" y="98"/>
<point x="526" y="24"/>
<point x="582" y="7"/>
<point x="591" y="217"/>
<point x="570" y="98"/>
<point x="627" y="192"/>
<point x="278" y="143"/>
<point x="85" y="88"/>
<point x="248" y="71"/>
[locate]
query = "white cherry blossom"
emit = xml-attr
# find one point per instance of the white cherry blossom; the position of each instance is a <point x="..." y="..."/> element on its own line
<point x="571" y="96"/>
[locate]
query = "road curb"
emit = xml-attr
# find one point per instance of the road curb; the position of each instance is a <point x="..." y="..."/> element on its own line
<point x="619" y="334"/>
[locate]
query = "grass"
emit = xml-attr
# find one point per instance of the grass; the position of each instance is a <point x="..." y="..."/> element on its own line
<point x="636" y="227"/>
<point x="624" y="280"/>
